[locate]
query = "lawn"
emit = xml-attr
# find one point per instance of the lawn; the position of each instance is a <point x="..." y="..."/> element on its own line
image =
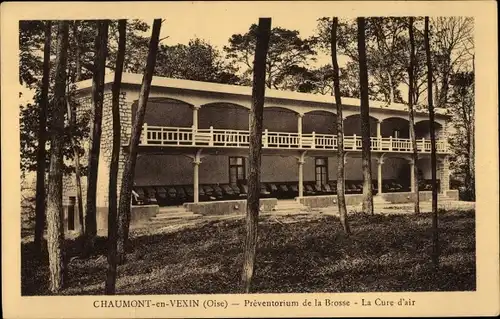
<point x="295" y="254"/>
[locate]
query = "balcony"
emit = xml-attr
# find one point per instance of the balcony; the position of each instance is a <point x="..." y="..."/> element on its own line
<point x="163" y="136"/>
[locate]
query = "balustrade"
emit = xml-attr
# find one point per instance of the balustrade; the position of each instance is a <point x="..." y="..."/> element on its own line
<point x="184" y="136"/>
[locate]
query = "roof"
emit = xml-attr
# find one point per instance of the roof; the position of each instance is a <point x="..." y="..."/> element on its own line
<point x="158" y="81"/>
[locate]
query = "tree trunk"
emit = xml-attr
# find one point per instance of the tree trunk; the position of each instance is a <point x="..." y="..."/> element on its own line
<point x="340" y="131"/>
<point x="97" y="101"/>
<point x="129" y="170"/>
<point x="113" y="168"/>
<point x="55" y="213"/>
<point x="391" y="88"/>
<point x="254" y="159"/>
<point x="411" y="112"/>
<point x="435" y="234"/>
<point x="365" y="120"/>
<point x="72" y="123"/>
<point x="42" y="141"/>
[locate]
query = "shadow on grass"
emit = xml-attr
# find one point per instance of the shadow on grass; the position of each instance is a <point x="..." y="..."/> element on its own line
<point x="384" y="253"/>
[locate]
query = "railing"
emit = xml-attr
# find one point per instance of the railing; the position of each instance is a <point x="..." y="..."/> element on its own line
<point x="183" y="136"/>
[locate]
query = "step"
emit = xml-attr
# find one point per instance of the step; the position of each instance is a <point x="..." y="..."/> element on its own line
<point x="172" y="209"/>
<point x="167" y="217"/>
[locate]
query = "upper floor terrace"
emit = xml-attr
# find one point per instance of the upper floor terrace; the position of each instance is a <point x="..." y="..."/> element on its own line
<point x="183" y="113"/>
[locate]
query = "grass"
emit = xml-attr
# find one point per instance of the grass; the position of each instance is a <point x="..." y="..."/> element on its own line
<point x="295" y="254"/>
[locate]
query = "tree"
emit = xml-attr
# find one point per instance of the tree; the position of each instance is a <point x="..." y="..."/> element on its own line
<point x="129" y="170"/>
<point x="435" y="234"/>
<point x="451" y="51"/>
<point x="340" y="132"/>
<point x="288" y="53"/>
<point x="263" y="35"/>
<point x="72" y="124"/>
<point x="42" y="142"/>
<point x="365" y="120"/>
<point x="55" y="233"/>
<point x="113" y="167"/>
<point x="197" y="61"/>
<point x="462" y="141"/>
<point x="97" y="101"/>
<point x="411" y="114"/>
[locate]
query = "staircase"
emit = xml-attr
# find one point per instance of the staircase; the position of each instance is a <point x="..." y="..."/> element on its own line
<point x="289" y="207"/>
<point x="175" y="213"/>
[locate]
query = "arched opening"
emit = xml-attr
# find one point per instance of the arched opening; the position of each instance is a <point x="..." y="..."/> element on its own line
<point x="278" y="119"/>
<point x="422" y="129"/>
<point x="166" y="112"/>
<point x="223" y="116"/>
<point x="396" y="127"/>
<point x="396" y="175"/>
<point x="352" y="125"/>
<point x="321" y="122"/>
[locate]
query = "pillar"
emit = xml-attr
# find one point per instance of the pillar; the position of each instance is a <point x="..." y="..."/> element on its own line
<point x="299" y="127"/>
<point x="301" y="162"/>
<point x="445" y="175"/>
<point x="378" y="129"/>
<point x="412" y="176"/>
<point x="379" y="176"/>
<point x="195" y="117"/>
<point x="196" y="177"/>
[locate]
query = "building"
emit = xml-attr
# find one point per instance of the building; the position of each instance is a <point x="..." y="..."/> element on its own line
<point x="195" y="138"/>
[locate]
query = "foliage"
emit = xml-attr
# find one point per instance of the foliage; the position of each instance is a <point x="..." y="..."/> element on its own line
<point x="29" y="131"/>
<point x="287" y="58"/>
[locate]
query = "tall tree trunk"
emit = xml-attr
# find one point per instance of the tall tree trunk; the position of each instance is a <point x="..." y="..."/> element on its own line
<point x="391" y="88"/>
<point x="72" y="123"/>
<point x="411" y="112"/>
<point x="129" y="170"/>
<point x="435" y="234"/>
<point x="97" y="101"/>
<point x="254" y="159"/>
<point x="55" y="213"/>
<point x="365" y="120"/>
<point x="42" y="141"/>
<point x="340" y="130"/>
<point x="113" y="168"/>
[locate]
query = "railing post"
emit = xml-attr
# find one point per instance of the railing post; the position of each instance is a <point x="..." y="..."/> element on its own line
<point x="313" y="145"/>
<point x="144" y="135"/>
<point x="354" y="146"/>
<point x="390" y="143"/>
<point x="423" y="144"/>
<point x="211" y="143"/>
<point x="266" y="140"/>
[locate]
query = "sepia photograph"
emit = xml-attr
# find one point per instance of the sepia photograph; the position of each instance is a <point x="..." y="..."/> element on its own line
<point x="209" y="151"/>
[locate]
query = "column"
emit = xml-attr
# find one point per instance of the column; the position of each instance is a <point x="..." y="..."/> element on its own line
<point x="195" y="116"/>
<point x="301" y="161"/>
<point x="379" y="175"/>
<point x="379" y="135"/>
<point x="412" y="176"/>
<point x="299" y="127"/>
<point x="445" y="175"/>
<point x="196" y="179"/>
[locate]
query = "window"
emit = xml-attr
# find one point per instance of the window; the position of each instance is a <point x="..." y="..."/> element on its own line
<point x="236" y="170"/>
<point x="321" y="170"/>
<point x="71" y="213"/>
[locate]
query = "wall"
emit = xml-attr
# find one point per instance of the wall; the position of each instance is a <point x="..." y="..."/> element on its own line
<point x="279" y="169"/>
<point x="280" y="120"/>
<point x="223" y="116"/>
<point x="228" y="207"/>
<point x="319" y="122"/>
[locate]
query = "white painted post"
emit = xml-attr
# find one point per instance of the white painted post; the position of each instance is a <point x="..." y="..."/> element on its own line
<point x="379" y="176"/>
<point x="211" y="143"/>
<point x="313" y="140"/>
<point x="266" y="141"/>
<point x="144" y="136"/>
<point x="354" y="147"/>
<point x="299" y="128"/>
<point x="301" y="177"/>
<point x="195" y="117"/>
<point x="390" y="143"/>
<point x="196" y="184"/>
<point x="423" y="144"/>
<point x="412" y="175"/>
